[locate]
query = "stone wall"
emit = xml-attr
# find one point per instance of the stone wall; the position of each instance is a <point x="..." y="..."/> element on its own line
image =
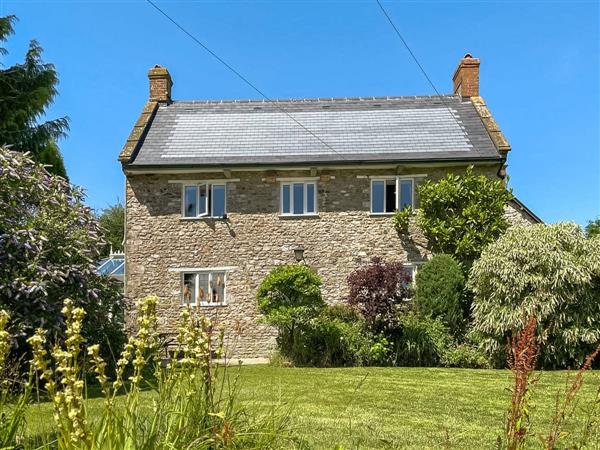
<point x="252" y="240"/>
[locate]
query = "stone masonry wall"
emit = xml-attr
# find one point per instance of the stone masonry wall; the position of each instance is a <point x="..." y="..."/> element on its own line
<point x="253" y="240"/>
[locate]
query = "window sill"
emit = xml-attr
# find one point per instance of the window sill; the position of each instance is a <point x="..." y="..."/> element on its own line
<point x="203" y="218"/>
<point x="386" y="214"/>
<point x="205" y="305"/>
<point x="298" y="216"/>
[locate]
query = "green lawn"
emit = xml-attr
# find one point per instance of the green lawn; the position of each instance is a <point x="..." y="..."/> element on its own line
<point x="387" y="407"/>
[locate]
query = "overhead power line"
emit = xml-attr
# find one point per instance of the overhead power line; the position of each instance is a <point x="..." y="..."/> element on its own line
<point x="242" y="77"/>
<point x="414" y="57"/>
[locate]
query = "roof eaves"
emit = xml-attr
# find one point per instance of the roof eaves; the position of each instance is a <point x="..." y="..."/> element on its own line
<point x="519" y="204"/>
<point x="496" y="135"/>
<point x="220" y="165"/>
<point x="139" y="129"/>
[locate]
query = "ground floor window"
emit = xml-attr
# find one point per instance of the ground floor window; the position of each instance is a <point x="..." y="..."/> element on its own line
<point x="204" y="288"/>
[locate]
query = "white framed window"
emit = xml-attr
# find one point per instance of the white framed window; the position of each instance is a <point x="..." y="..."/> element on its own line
<point x="204" y="200"/>
<point x="298" y="198"/>
<point x="391" y="193"/>
<point x="204" y="288"/>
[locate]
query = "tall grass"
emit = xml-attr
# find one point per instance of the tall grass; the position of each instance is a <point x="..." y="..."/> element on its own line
<point x="193" y="399"/>
<point x="523" y="351"/>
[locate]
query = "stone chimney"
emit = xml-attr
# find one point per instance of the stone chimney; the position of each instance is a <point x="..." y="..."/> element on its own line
<point x="160" y="84"/>
<point x="466" y="77"/>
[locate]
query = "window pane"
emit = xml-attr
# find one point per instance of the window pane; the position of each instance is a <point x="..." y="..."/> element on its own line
<point x="189" y="204"/>
<point x="409" y="272"/>
<point x="218" y="287"/>
<point x="377" y="198"/>
<point x="218" y="191"/>
<point x="310" y="197"/>
<point x="406" y="192"/>
<point x="203" y="291"/>
<point x="202" y="199"/>
<point x="189" y="288"/>
<point x="285" y="193"/>
<point x="298" y="198"/>
<point x="390" y="195"/>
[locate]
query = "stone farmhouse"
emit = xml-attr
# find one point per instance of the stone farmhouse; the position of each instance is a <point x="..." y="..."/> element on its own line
<point x="220" y="192"/>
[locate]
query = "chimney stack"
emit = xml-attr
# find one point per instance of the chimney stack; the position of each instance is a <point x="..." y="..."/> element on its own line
<point x="160" y="84"/>
<point x="466" y="77"/>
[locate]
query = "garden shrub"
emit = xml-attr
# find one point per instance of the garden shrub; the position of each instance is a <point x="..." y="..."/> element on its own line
<point x="465" y="356"/>
<point x="49" y="243"/>
<point x="377" y="291"/>
<point x="342" y="312"/>
<point x="289" y="297"/>
<point x="461" y="214"/>
<point x="547" y="272"/>
<point x="439" y="292"/>
<point x="422" y="342"/>
<point x="332" y="342"/>
<point x="337" y="337"/>
<point x="401" y="219"/>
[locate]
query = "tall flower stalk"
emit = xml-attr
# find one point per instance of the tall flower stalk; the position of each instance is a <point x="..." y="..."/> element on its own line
<point x="63" y="379"/>
<point x="523" y="352"/>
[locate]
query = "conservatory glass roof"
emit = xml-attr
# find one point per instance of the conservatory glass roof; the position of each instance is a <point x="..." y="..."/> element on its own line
<point x="113" y="266"/>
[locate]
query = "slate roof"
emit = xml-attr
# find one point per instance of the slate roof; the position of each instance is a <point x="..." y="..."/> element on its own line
<point x="374" y="129"/>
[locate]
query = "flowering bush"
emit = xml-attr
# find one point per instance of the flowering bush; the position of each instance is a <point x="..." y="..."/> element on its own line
<point x="49" y="242"/>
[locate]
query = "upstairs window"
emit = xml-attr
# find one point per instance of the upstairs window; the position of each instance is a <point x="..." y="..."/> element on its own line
<point x="204" y="200"/>
<point x="203" y="288"/>
<point x="390" y="194"/>
<point x="298" y="198"/>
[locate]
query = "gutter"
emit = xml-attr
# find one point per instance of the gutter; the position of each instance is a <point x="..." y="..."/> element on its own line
<point x="307" y="165"/>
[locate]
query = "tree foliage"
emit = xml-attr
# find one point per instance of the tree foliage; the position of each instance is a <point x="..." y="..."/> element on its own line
<point x="440" y="291"/>
<point x="26" y="91"/>
<point x="288" y="293"/>
<point x="378" y="290"/>
<point x="49" y="242"/>
<point x="593" y="228"/>
<point x="290" y="297"/>
<point x="548" y="272"/>
<point x="461" y="214"/>
<point x="112" y="224"/>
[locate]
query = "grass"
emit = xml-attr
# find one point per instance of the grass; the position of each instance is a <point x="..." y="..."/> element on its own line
<point x="385" y="407"/>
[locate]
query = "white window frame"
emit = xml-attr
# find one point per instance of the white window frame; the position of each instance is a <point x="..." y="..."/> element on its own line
<point x="305" y="183"/>
<point x="208" y="185"/>
<point x="397" y="179"/>
<point x="196" y="274"/>
<point x="414" y="266"/>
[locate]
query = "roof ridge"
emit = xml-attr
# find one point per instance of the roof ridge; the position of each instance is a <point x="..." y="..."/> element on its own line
<point x="313" y="100"/>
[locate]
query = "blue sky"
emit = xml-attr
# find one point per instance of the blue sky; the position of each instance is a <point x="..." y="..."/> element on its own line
<point x="539" y="73"/>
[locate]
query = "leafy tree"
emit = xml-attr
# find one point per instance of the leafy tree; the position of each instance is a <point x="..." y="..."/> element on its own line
<point x="26" y="91"/>
<point x="49" y="242"/>
<point x="461" y="214"/>
<point x="378" y="290"/>
<point x="593" y="228"/>
<point x="548" y="272"/>
<point x="440" y="292"/>
<point x="289" y="296"/>
<point x="112" y="223"/>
